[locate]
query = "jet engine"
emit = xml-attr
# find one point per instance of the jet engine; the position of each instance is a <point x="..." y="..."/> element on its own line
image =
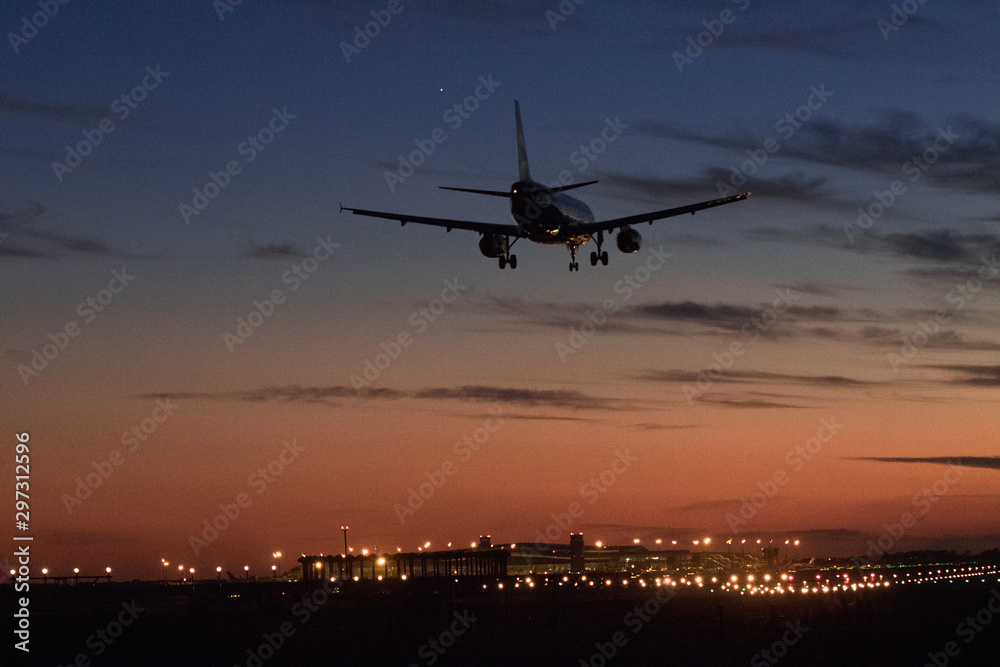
<point x="628" y="240"/>
<point x="493" y="245"/>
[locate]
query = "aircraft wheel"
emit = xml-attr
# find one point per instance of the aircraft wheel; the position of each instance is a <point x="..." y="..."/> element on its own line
<point x="593" y="259"/>
<point x="604" y="258"/>
<point x="503" y="263"/>
<point x="513" y="261"/>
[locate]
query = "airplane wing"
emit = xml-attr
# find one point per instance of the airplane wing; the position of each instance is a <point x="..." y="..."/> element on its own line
<point x="481" y="227"/>
<point x="608" y="225"/>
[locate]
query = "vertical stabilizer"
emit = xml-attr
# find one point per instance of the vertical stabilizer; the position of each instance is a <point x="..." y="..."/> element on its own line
<point x="523" y="173"/>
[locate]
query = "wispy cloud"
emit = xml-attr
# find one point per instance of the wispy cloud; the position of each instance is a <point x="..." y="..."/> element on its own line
<point x="757" y="377"/>
<point x="966" y="147"/>
<point x="52" y="111"/>
<point x="989" y="462"/>
<point x="275" y="251"/>
<point x="984" y="375"/>
<point x="470" y="394"/>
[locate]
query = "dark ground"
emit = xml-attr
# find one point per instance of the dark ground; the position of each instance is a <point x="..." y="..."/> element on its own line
<point x="392" y="623"/>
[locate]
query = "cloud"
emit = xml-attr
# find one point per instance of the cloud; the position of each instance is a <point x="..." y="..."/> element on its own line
<point x="714" y="182"/>
<point x="54" y="111"/>
<point x="718" y="316"/>
<point x="959" y="154"/>
<point x="647" y="426"/>
<point x="17" y="232"/>
<point x="757" y="377"/>
<point x="974" y="376"/>
<point x="989" y="462"/>
<point x="471" y="394"/>
<point x="939" y="244"/>
<point x="746" y="400"/>
<point x="275" y="251"/>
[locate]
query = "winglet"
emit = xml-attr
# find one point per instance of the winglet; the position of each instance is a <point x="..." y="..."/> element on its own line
<point x="523" y="173"/>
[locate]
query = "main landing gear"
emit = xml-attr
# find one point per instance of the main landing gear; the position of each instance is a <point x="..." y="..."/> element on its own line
<point x="595" y="257"/>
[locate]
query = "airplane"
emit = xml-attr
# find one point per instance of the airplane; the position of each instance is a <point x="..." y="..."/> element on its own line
<point x="548" y="216"/>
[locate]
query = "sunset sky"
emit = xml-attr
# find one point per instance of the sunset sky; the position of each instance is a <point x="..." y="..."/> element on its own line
<point x="176" y="165"/>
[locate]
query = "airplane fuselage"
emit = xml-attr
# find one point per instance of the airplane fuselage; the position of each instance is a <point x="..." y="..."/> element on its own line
<point x="547" y="217"/>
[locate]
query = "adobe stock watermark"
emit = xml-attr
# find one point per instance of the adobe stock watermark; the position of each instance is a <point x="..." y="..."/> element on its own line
<point x="598" y="317"/>
<point x="753" y="329"/>
<point x="915" y="168"/>
<point x="786" y="127"/>
<point x="696" y="44"/>
<point x="88" y="310"/>
<point x="122" y="107"/>
<point x="957" y="299"/>
<point x="796" y="458"/>
<point x="464" y="450"/>
<point x="30" y="25"/>
<point x="419" y="320"/>
<point x="265" y="308"/>
<point x="381" y="18"/>
<point x="103" y="638"/>
<point x="223" y="7"/>
<point x="432" y="650"/>
<point x="967" y="630"/>
<point x="258" y="481"/>
<point x="454" y="116"/>
<point x="249" y="149"/>
<point x="565" y="9"/>
<point x="899" y="17"/>
<point x="131" y="440"/>
<point x="923" y="501"/>
<point x="302" y="611"/>
<point x="636" y="619"/>
<point x="779" y="648"/>
<point x="591" y="491"/>
<point x="587" y="153"/>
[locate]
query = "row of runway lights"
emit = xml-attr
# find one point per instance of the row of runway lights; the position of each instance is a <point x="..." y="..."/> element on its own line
<point x="785" y="584"/>
<point x="950" y="575"/>
<point x="699" y="582"/>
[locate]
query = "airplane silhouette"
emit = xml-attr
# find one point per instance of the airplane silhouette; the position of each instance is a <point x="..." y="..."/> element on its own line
<point x="547" y="215"/>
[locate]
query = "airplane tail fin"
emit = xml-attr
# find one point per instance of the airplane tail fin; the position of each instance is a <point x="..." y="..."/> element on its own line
<point x="523" y="173"/>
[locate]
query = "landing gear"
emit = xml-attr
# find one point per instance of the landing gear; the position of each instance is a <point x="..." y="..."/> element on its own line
<point x="506" y="258"/>
<point x="602" y="256"/>
<point x="573" y="266"/>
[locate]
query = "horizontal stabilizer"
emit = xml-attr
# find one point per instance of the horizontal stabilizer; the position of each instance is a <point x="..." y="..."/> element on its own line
<point x="561" y="188"/>
<point x="494" y="193"/>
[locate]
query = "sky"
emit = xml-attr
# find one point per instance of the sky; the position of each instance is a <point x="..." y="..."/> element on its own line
<point x="212" y="363"/>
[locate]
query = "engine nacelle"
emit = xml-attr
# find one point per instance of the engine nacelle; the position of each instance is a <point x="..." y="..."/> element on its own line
<point x="493" y="245"/>
<point x="628" y="240"/>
